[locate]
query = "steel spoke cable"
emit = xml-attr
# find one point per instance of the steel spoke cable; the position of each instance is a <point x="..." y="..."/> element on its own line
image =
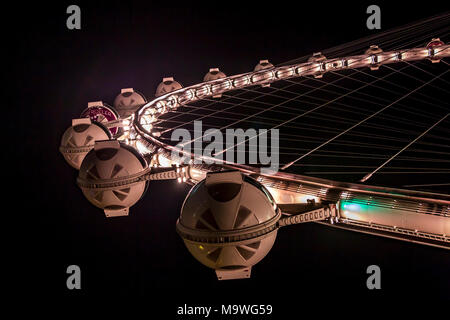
<point x="371" y="116"/>
<point x="441" y="145"/>
<point x="226" y="98"/>
<point x="412" y="77"/>
<point x="253" y="99"/>
<point x="407" y="31"/>
<point x="426" y="185"/>
<point x="347" y="154"/>
<point x="264" y="110"/>
<point x="355" y="166"/>
<point x="311" y="110"/>
<point x="262" y="94"/>
<point x="429" y="73"/>
<point x="212" y="103"/>
<point x="377" y="97"/>
<point x="351" y="143"/>
<point x="366" y="144"/>
<point x="254" y="117"/>
<point x="296" y="109"/>
<point x="421" y="41"/>
<point x="333" y="155"/>
<point x="228" y="108"/>
<point x="392" y="34"/>
<point x="391" y="91"/>
<point x="393" y="69"/>
<point x="284" y="102"/>
<point x="218" y="111"/>
<point x="375" y="156"/>
<point x="320" y="129"/>
<point x="325" y="116"/>
<point x="373" y="77"/>
<point x="370" y="157"/>
<point x="382" y="172"/>
<point x="391" y="118"/>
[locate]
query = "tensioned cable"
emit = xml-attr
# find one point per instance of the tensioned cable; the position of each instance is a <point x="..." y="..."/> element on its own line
<point x="217" y="112"/>
<point x="412" y="77"/>
<point x="209" y="104"/>
<point x="429" y="73"/>
<point x="309" y="111"/>
<point x="337" y="119"/>
<point x="387" y="90"/>
<point x="375" y="136"/>
<point x="391" y="83"/>
<point x="344" y="154"/>
<point x="334" y="92"/>
<point x="296" y="109"/>
<point x="377" y="156"/>
<point x="373" y="76"/>
<point x="367" y="177"/>
<point x="355" y="98"/>
<point x="383" y="172"/>
<point x="255" y="117"/>
<point x="427" y="185"/>
<point x="396" y="39"/>
<point x="262" y="94"/>
<point x="394" y="33"/>
<point x="393" y="118"/>
<point x="264" y="110"/>
<point x="352" y="143"/>
<point x="364" y="154"/>
<point x="371" y="116"/>
<point x="334" y="85"/>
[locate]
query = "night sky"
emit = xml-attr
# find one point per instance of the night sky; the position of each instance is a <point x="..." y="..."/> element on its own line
<point x="56" y="71"/>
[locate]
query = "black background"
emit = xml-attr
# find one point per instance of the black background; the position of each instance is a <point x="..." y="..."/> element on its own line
<point x="56" y="71"/>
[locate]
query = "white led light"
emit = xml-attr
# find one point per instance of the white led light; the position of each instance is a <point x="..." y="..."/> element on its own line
<point x="163" y="161"/>
<point x="241" y="81"/>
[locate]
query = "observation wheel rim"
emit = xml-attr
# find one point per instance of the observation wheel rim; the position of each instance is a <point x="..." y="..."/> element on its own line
<point x="409" y="194"/>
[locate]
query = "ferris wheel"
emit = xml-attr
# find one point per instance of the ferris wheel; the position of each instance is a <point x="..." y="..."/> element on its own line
<point x="358" y="134"/>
